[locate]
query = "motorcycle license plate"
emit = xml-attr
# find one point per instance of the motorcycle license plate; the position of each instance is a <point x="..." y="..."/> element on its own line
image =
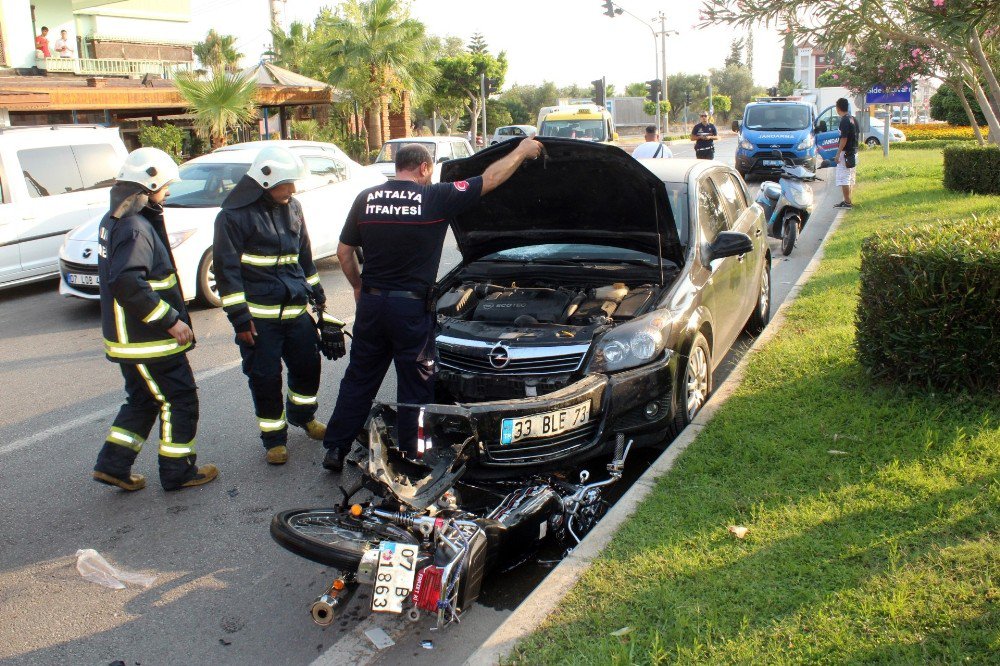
<point x="548" y="424"/>
<point x="397" y="563"/>
<point x="773" y="162"/>
<point x="76" y="278"/>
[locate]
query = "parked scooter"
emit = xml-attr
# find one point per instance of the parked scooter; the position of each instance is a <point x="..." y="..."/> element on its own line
<point x="425" y="538"/>
<point x="787" y="204"/>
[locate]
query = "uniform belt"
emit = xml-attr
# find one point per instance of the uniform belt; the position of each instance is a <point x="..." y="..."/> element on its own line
<point x="374" y="291"/>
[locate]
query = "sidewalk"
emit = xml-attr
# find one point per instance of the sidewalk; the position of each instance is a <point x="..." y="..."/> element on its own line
<point x="870" y="511"/>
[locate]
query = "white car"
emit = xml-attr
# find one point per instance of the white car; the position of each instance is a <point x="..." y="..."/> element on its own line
<point x="508" y="132"/>
<point x="326" y="196"/>
<point x="441" y="148"/>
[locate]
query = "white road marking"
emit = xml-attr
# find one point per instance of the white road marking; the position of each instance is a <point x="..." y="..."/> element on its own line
<point x="108" y="411"/>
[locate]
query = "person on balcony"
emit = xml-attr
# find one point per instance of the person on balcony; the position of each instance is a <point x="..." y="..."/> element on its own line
<point x="63" y="48"/>
<point x="42" y="44"/>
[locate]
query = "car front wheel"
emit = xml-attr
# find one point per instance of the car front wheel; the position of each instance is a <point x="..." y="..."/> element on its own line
<point x="696" y="384"/>
<point x="208" y="289"/>
<point x="872" y="142"/>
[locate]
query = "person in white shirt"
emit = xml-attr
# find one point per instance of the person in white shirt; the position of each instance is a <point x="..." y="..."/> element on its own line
<point x="63" y="48"/>
<point x="653" y="146"/>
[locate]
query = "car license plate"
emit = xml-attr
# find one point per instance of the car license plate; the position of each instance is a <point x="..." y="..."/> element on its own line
<point x="76" y="278"/>
<point x="544" y="425"/>
<point x="394" y="581"/>
<point x="773" y="163"/>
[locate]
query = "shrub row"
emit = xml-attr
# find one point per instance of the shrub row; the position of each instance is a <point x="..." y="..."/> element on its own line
<point x="939" y="131"/>
<point x="929" y="306"/>
<point x="928" y="144"/>
<point x="972" y="169"/>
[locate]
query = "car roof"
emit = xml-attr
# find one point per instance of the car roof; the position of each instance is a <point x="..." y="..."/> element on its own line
<point x="680" y="169"/>
<point x="427" y="139"/>
<point x="49" y="135"/>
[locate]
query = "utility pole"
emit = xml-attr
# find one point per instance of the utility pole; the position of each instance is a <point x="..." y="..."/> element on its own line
<point x="275" y="20"/>
<point x="750" y="50"/>
<point x="482" y="92"/>
<point x="664" y="33"/>
<point x="612" y="10"/>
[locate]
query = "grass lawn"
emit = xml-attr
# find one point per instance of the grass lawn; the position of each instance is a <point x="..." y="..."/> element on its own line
<point x="873" y="511"/>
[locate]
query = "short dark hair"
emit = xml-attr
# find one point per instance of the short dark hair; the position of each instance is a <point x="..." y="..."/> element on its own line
<point x="650" y="129"/>
<point x="842" y="104"/>
<point x="411" y="156"/>
<point x="44" y="28"/>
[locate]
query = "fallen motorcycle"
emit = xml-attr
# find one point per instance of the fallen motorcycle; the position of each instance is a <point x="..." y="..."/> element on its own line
<point x="426" y="539"/>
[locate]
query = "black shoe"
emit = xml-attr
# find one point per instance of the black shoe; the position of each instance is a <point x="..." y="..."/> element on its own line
<point x="844" y="204"/>
<point x="333" y="460"/>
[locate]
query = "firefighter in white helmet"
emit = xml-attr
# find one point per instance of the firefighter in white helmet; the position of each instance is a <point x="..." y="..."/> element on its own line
<point x="267" y="278"/>
<point x="147" y="331"/>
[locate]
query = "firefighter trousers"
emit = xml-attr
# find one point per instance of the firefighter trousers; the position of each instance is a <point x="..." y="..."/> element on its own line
<point x="387" y="329"/>
<point x="294" y="341"/>
<point x="166" y="390"/>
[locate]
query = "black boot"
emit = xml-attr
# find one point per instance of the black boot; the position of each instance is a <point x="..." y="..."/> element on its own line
<point x="114" y="468"/>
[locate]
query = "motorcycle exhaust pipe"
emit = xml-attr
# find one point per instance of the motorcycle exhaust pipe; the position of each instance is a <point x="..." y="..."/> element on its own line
<point x="326" y="607"/>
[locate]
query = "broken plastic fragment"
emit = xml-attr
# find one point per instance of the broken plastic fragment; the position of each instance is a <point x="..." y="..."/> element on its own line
<point x="738" y="531"/>
<point x="835" y="452"/>
<point x="379" y="638"/>
<point x="623" y="631"/>
<point x="93" y="567"/>
<point x="427" y="645"/>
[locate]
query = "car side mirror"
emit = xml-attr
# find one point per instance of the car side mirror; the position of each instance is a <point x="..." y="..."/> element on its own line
<point x="736" y="126"/>
<point x="729" y="244"/>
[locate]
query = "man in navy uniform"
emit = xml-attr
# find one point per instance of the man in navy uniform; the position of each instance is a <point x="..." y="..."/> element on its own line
<point x="704" y="135"/>
<point x="400" y="227"/>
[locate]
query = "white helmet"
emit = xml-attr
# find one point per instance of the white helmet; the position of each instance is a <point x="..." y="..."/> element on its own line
<point x="150" y="167"/>
<point x="275" y="165"/>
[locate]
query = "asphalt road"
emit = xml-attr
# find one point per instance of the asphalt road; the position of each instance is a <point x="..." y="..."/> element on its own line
<point x="224" y="592"/>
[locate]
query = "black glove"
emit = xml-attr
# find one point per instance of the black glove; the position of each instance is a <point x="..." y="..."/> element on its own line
<point x="331" y="335"/>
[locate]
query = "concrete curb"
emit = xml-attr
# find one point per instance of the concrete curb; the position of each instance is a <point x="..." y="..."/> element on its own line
<point x="530" y="614"/>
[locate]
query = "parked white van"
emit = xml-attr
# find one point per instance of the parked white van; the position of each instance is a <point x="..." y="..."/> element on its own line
<point x="52" y="178"/>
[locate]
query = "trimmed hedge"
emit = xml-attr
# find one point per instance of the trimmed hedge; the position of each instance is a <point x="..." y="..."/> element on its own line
<point x="929" y="305"/>
<point x="931" y="144"/>
<point x="972" y="169"/>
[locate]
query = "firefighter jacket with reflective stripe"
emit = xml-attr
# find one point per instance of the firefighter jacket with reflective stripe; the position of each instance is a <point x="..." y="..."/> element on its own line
<point x="140" y="295"/>
<point x="263" y="258"/>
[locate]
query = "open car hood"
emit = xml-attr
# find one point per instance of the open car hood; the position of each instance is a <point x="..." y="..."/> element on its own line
<point x="580" y="192"/>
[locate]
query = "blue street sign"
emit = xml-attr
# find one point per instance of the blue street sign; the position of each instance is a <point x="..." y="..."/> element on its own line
<point x="884" y="95"/>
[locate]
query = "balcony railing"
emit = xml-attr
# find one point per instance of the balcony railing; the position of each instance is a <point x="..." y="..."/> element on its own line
<point x="115" y="67"/>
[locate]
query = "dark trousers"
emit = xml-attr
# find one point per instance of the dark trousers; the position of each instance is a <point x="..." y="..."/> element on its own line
<point x="165" y="390"/>
<point x="707" y="153"/>
<point x="293" y="341"/>
<point x="386" y="329"/>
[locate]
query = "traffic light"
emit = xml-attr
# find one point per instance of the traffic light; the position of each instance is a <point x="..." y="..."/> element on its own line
<point x="600" y="97"/>
<point x="609" y="9"/>
<point x="687" y="97"/>
<point x="492" y="85"/>
<point x="653" y="89"/>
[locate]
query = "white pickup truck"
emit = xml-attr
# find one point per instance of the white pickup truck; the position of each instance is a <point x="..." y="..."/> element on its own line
<point x="52" y="178"/>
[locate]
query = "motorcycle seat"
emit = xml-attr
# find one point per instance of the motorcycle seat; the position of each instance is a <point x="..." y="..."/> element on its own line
<point x="771" y="190"/>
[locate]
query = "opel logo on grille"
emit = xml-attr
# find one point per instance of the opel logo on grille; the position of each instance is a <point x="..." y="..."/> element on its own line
<point x="87" y="253"/>
<point x="499" y="356"/>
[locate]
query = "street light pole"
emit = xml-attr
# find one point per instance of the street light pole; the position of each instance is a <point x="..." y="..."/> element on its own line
<point x="615" y="9"/>
<point x="664" y="33"/>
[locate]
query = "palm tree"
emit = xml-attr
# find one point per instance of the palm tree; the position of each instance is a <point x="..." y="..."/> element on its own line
<point x="220" y="104"/>
<point x="377" y="52"/>
<point x="218" y="53"/>
<point x="294" y="50"/>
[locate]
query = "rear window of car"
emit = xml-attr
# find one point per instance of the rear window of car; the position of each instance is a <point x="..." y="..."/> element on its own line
<point x="64" y="169"/>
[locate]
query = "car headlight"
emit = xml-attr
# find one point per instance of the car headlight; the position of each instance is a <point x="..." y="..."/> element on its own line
<point x="179" y="237"/>
<point x="631" y="344"/>
<point x="807" y="142"/>
<point x="746" y="145"/>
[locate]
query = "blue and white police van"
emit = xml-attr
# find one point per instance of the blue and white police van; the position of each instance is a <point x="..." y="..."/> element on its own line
<point x="789" y="126"/>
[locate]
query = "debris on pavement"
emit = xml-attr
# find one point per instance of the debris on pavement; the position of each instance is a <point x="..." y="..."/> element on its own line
<point x="93" y="567"/>
<point x="379" y="638"/>
<point x="427" y="645"/>
<point x="622" y="632"/>
<point x="223" y="641"/>
<point x="738" y="531"/>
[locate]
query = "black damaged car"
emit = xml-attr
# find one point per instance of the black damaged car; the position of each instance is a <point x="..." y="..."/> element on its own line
<point x="595" y="296"/>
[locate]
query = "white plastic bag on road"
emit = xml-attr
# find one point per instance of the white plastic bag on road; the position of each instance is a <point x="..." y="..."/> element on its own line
<point x="93" y="567"/>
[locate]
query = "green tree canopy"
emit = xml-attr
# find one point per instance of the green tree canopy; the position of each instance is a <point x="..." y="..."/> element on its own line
<point x="478" y="44"/>
<point x="678" y="84"/>
<point x="220" y="104"/>
<point x="735" y="56"/>
<point x="218" y="53"/>
<point x="734" y="82"/>
<point x="946" y="106"/>
<point x="638" y="89"/>
<point x="460" y="79"/>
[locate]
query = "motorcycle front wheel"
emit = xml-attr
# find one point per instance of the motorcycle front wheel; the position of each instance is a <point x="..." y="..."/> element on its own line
<point x="788" y="233"/>
<point x="332" y="537"/>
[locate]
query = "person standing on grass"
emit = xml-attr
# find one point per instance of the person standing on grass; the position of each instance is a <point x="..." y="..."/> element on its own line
<point x="847" y="152"/>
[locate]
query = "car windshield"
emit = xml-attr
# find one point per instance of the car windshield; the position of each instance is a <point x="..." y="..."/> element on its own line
<point x="777" y="117"/>
<point x="591" y="130"/>
<point x="569" y="252"/>
<point x="678" y="195"/>
<point x="389" y="150"/>
<point x="204" y="185"/>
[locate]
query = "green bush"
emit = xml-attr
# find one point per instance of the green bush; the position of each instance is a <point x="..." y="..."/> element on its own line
<point x="930" y="144"/>
<point x="929" y="305"/>
<point x="972" y="169"/>
<point x="168" y="138"/>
